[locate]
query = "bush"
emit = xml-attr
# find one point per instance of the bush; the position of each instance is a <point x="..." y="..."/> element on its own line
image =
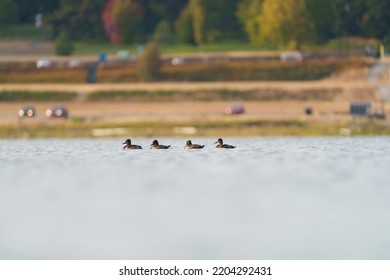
<point x="149" y="68"/>
<point x="163" y="33"/>
<point x="64" y="45"/>
<point x="23" y="95"/>
<point x="8" y="12"/>
<point x="197" y="71"/>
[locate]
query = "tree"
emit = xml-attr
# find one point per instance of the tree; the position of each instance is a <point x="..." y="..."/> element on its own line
<point x="248" y="13"/>
<point x="208" y="21"/>
<point x="135" y="21"/>
<point x="156" y="11"/>
<point x="8" y="12"/>
<point x="220" y="20"/>
<point x="64" y="45"/>
<point x="128" y="15"/>
<point x="150" y="63"/>
<point x="376" y="19"/>
<point x="29" y="8"/>
<point x="184" y="28"/>
<point x="198" y="18"/>
<point x="163" y="33"/>
<point x="285" y="23"/>
<point x="324" y="17"/>
<point x="81" y="19"/>
<point x="362" y="18"/>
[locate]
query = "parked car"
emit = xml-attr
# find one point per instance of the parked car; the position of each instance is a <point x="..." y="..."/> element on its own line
<point x="74" y="63"/>
<point x="57" y="111"/>
<point x="291" y="56"/>
<point x="177" y="61"/>
<point x="235" y="109"/>
<point x="27" y="111"/>
<point x="43" y="63"/>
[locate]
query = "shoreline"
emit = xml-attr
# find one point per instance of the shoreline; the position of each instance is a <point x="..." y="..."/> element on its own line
<point x="79" y="128"/>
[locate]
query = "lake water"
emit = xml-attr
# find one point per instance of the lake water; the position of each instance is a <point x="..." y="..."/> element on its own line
<point x="271" y="198"/>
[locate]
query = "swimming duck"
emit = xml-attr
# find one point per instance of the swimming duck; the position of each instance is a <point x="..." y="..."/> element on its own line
<point x="127" y="145"/>
<point x="220" y="144"/>
<point x="156" y="145"/>
<point x="190" y="146"/>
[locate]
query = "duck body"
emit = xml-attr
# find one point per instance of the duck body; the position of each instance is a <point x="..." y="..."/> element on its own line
<point x="156" y="146"/>
<point x="190" y="146"/>
<point x="221" y="145"/>
<point x="128" y="146"/>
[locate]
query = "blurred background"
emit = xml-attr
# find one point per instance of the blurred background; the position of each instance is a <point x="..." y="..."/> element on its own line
<point x="162" y="67"/>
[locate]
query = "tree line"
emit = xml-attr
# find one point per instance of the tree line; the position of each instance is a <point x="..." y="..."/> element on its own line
<point x="271" y="23"/>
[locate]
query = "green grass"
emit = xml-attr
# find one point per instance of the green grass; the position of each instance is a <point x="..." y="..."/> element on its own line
<point x="94" y="48"/>
<point x="343" y="44"/>
<point x="24" y="32"/>
<point x="226" y="46"/>
<point x="85" y="48"/>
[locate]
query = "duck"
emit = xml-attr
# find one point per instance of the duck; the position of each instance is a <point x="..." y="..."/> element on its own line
<point x="156" y="145"/>
<point x="190" y="146"/>
<point x="220" y="144"/>
<point x="127" y="145"/>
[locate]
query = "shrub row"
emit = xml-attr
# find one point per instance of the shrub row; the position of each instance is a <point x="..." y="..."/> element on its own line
<point x="216" y="95"/>
<point x="201" y="95"/>
<point x="36" y="96"/>
<point x="222" y="71"/>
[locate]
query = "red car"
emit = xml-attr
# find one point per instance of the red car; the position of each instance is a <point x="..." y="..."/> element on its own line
<point x="235" y="110"/>
<point x="57" y="112"/>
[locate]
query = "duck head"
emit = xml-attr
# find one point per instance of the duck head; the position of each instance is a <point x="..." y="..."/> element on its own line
<point x="154" y="143"/>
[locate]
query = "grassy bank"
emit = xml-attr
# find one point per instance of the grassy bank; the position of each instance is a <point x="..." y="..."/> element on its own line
<point x="216" y="95"/>
<point x="38" y="96"/>
<point x="76" y="128"/>
<point x="178" y="95"/>
<point x="196" y="72"/>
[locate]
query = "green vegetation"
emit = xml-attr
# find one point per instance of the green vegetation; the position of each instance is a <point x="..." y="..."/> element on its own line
<point x="285" y="23"/>
<point x="24" y="32"/>
<point x="222" y="71"/>
<point x="247" y="71"/>
<point x="8" y="12"/>
<point x="149" y="67"/>
<point x="45" y="75"/>
<point x="81" y="19"/>
<point x="76" y="128"/>
<point x="85" y="48"/>
<point x="163" y="96"/>
<point x="6" y="96"/>
<point x="215" y="95"/>
<point x="64" y="45"/>
<point x="265" y="23"/>
<point x="128" y="19"/>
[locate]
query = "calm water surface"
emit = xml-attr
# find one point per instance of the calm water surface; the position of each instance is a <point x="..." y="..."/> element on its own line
<point x="271" y="198"/>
